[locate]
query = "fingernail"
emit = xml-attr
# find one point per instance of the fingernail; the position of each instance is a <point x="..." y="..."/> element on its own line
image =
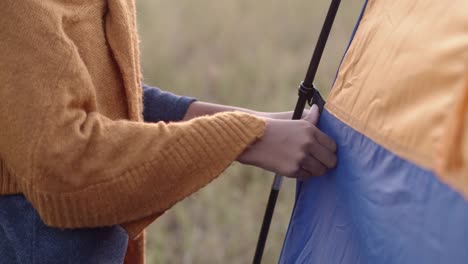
<point x="314" y="107"/>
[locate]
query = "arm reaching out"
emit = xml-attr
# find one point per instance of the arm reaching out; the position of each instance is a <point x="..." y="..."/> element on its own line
<point x="293" y="148"/>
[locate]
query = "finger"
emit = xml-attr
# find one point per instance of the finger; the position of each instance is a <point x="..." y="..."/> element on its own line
<point x="302" y="175"/>
<point x="325" y="140"/>
<point x="313" y="115"/>
<point x="324" y="155"/>
<point x="313" y="166"/>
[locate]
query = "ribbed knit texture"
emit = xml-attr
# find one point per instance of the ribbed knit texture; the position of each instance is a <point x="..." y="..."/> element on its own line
<point x="71" y="137"/>
<point x="193" y="154"/>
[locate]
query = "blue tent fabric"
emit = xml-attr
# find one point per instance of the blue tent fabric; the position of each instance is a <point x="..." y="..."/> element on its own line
<point x="375" y="207"/>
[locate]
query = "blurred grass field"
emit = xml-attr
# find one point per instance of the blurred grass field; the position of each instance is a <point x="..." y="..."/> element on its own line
<point x="246" y="53"/>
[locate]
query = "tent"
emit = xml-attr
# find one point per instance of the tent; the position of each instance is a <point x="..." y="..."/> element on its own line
<point x="398" y="111"/>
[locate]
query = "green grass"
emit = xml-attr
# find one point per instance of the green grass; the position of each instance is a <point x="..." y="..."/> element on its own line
<point x="246" y="53"/>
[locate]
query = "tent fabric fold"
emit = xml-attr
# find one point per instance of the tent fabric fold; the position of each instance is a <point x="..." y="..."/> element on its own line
<point x="375" y="207"/>
<point x="398" y="111"/>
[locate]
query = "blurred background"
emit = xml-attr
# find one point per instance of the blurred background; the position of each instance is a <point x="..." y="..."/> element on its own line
<point x="245" y="53"/>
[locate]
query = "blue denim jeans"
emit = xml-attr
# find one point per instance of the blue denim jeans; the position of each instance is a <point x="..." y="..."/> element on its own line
<point x="24" y="238"/>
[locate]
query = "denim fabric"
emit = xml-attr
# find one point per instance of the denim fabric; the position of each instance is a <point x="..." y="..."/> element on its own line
<point x="24" y="238"/>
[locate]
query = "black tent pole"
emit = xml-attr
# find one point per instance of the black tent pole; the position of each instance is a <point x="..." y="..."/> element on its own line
<point x="307" y="94"/>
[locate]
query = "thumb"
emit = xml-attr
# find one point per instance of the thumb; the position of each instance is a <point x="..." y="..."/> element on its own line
<point x="313" y="115"/>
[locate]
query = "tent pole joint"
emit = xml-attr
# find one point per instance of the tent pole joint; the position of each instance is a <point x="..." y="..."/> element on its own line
<point x="312" y="95"/>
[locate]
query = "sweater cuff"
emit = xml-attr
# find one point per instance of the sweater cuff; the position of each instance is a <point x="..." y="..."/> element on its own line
<point x="198" y="151"/>
<point x="163" y="106"/>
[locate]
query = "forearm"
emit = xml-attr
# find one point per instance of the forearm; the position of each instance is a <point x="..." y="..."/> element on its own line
<point x="197" y="109"/>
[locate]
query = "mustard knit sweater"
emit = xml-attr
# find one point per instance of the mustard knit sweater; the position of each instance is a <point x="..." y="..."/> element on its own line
<point x="71" y="133"/>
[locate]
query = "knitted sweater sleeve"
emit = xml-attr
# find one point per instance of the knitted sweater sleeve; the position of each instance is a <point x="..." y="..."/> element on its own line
<point x="81" y="169"/>
<point x="158" y="106"/>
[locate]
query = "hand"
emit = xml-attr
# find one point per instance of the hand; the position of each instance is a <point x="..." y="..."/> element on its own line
<point x="293" y="148"/>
